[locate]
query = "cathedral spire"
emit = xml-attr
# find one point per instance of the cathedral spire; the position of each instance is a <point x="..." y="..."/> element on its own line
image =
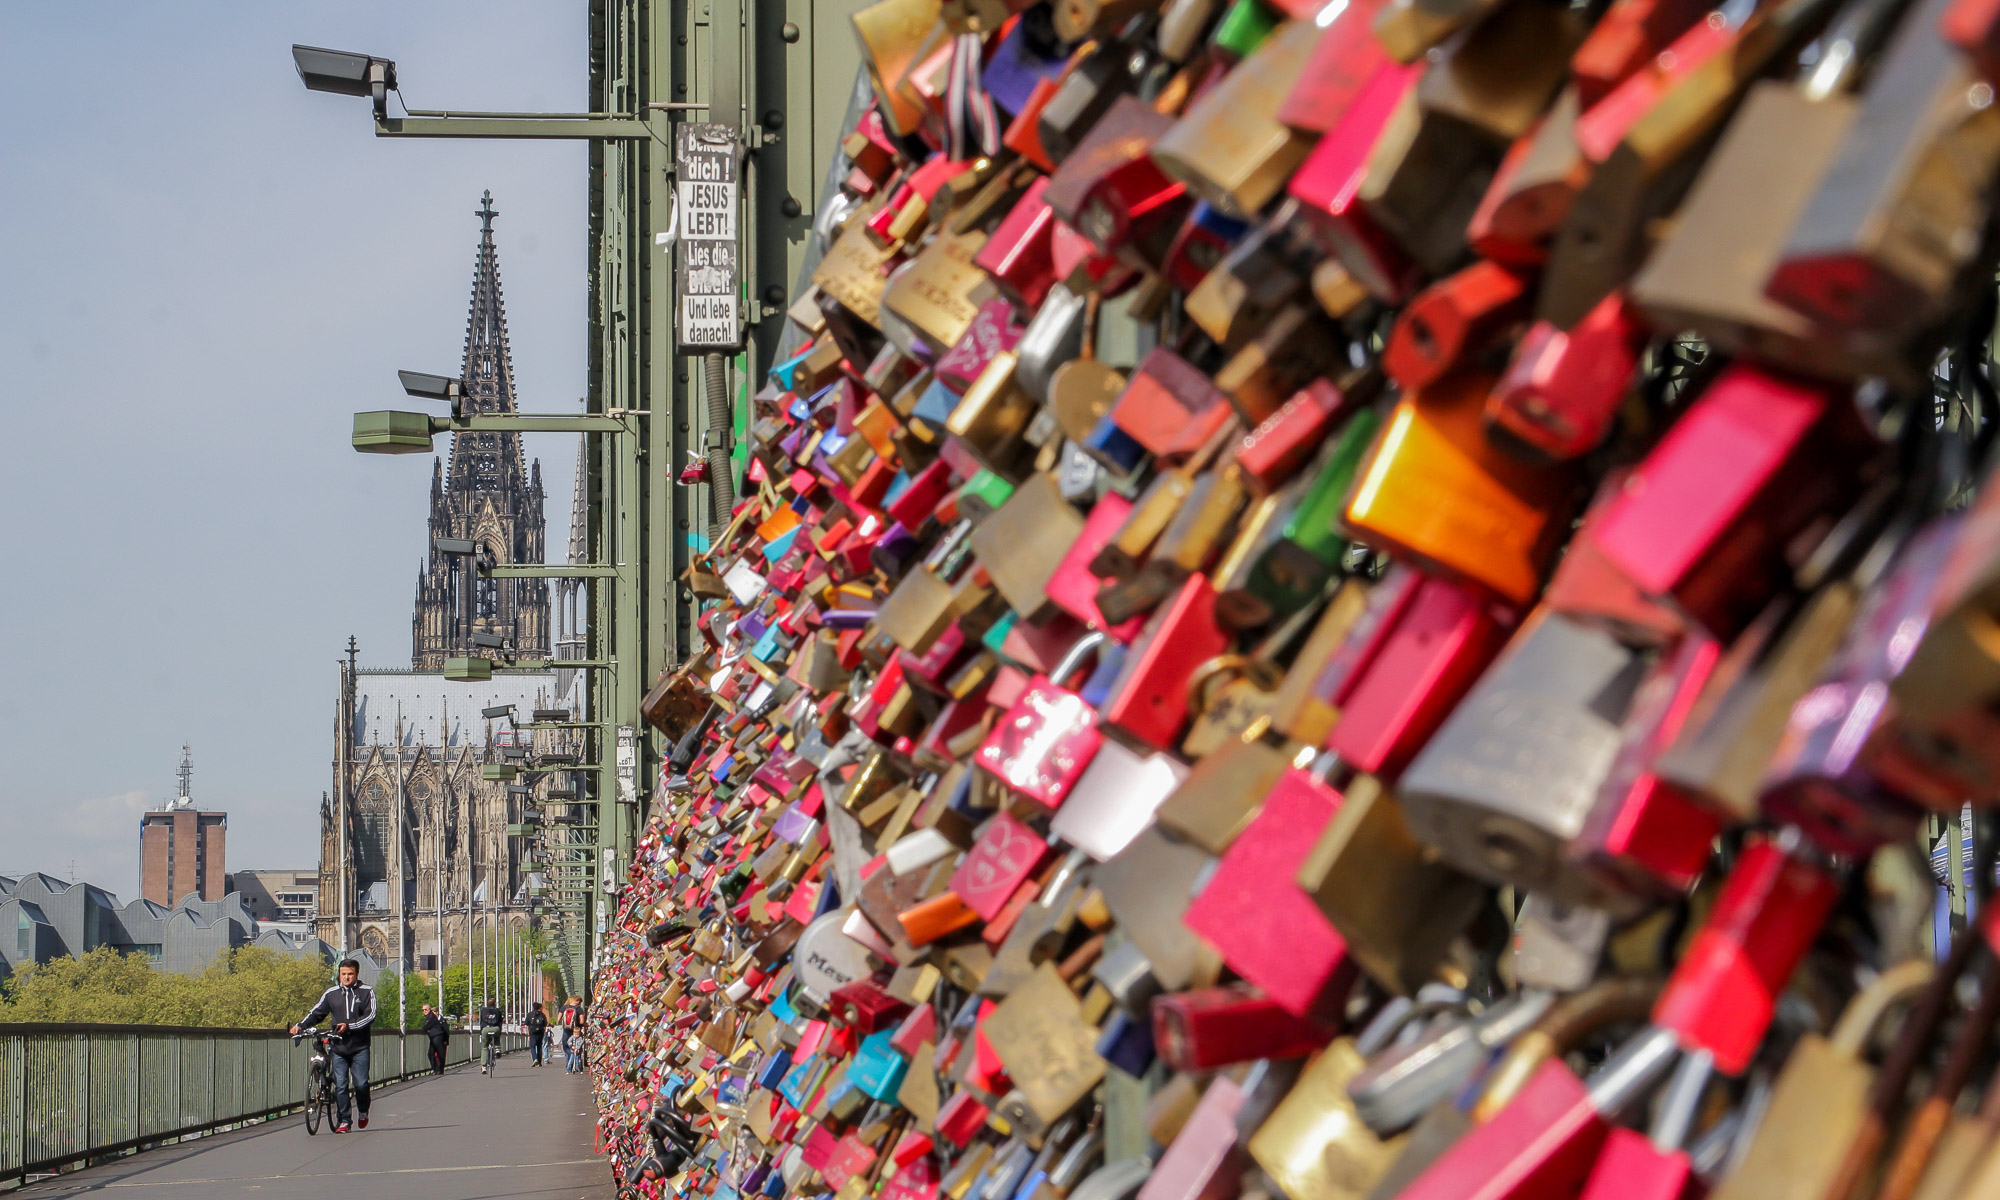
<point x="486" y="494"/>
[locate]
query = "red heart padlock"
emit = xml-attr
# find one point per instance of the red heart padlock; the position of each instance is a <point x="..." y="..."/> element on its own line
<point x="1006" y="853"/>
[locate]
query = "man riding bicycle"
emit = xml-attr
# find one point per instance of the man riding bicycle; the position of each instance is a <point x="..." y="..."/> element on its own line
<point x="489" y="1028"/>
<point x="350" y="1005"/>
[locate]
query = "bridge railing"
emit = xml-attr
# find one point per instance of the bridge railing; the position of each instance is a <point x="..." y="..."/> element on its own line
<point x="70" y="1093"/>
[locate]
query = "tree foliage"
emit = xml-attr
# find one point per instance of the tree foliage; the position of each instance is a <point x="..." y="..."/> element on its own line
<point x="250" y="987"/>
<point x="415" y="992"/>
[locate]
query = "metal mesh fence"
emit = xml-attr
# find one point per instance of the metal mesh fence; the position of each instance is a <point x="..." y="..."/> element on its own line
<point x="70" y="1093"/>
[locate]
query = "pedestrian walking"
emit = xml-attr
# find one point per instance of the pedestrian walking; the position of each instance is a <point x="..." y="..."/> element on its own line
<point x="572" y="1035"/>
<point x="538" y="1033"/>
<point x="350" y="1005"/>
<point x="439" y="1034"/>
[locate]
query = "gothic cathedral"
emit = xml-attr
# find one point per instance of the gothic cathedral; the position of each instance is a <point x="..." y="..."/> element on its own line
<point x="429" y="867"/>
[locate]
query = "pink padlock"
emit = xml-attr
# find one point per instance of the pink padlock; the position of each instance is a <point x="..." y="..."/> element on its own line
<point x="1048" y="736"/>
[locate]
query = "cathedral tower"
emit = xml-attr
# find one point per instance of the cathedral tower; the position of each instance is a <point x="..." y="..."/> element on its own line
<point x="489" y="496"/>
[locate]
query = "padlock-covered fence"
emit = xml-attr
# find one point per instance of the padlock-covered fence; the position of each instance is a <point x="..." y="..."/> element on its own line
<point x="70" y="1093"/>
<point x="1344" y="601"/>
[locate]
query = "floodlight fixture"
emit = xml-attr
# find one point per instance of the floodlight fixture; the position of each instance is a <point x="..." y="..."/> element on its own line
<point x="392" y="432"/>
<point x="543" y="715"/>
<point x="443" y="388"/>
<point x="455" y="546"/>
<point x="345" y="73"/>
<point x="468" y="670"/>
<point x="496" y="713"/>
<point x="490" y="641"/>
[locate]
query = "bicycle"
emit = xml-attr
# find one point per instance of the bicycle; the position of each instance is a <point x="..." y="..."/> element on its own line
<point x="492" y="1040"/>
<point x="319" y="1082"/>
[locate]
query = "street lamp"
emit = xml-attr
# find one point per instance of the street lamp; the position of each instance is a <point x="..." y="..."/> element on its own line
<point x="346" y="74"/>
<point x="468" y="670"/>
<point x="389" y="432"/>
<point x="425" y="386"/>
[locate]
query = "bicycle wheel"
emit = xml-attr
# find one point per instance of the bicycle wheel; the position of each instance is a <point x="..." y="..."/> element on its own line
<point x="315" y="1084"/>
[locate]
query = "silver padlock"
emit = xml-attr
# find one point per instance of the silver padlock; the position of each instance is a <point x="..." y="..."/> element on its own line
<point x="1053" y="337"/>
<point x="1513" y="773"/>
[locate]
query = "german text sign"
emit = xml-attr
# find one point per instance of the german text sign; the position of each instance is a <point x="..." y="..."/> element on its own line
<point x="706" y="190"/>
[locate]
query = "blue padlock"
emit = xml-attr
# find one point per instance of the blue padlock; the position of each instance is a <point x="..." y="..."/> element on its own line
<point x="877" y="1068"/>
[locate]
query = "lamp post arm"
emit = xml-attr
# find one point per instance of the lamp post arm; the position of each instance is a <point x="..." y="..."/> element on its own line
<point x="516" y="126"/>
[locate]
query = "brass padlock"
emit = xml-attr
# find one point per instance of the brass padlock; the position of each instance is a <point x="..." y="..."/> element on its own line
<point x="1229" y="699"/>
<point x="1882" y="245"/>
<point x="1222" y="794"/>
<point x="1245" y="289"/>
<point x="1023" y="543"/>
<point x="893" y="35"/>
<point x="1397" y="904"/>
<point x="1229" y="147"/>
<point x="1083" y="389"/>
<point x="991" y="419"/>
<point x="1816" y="1107"/>
<point x="938" y="293"/>
<point x="1040" y="1035"/>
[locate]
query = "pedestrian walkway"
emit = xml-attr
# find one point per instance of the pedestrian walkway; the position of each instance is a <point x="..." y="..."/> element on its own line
<point x="525" y="1134"/>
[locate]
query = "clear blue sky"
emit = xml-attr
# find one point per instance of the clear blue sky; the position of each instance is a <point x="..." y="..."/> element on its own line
<point x="204" y="271"/>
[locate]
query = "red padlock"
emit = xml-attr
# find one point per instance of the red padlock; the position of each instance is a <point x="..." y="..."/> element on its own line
<point x="1706" y="518"/>
<point x="1544" y="1144"/>
<point x="1266" y="927"/>
<point x="1436" y="639"/>
<point x="1208" y="1028"/>
<point x="1043" y="743"/>
<point x="1000" y="861"/>
<point x="1723" y="994"/>
<point x="1455" y="321"/>
<point x="1561" y="392"/>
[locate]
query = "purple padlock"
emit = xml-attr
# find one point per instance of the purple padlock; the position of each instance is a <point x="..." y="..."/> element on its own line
<point x="895" y="550"/>
<point x="1023" y="59"/>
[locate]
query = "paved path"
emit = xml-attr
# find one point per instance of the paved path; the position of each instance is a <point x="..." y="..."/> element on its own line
<point x="524" y="1134"/>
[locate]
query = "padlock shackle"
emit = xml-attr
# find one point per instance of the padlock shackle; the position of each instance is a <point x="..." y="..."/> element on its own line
<point x="1396" y="1016"/>
<point x="1889" y="990"/>
<point x="1261" y="674"/>
<point x="1071" y="659"/>
<point x="1632" y="1071"/>
<point x="1680" y="1101"/>
<point x="1602" y="1005"/>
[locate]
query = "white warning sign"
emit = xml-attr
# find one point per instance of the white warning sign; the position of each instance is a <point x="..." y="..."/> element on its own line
<point x="706" y="191"/>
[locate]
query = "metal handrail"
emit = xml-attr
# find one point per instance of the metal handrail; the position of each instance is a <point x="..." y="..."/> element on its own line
<point x="71" y="1093"/>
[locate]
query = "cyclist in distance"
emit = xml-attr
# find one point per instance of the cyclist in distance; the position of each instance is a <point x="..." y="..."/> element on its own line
<point x="350" y="1005"/>
<point x="490" y="1018"/>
